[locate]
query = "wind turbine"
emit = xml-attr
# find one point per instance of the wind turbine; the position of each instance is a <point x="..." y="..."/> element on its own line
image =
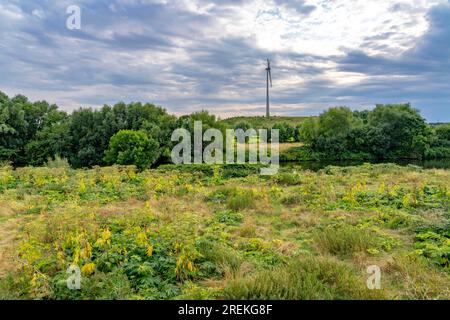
<point x="269" y="78"/>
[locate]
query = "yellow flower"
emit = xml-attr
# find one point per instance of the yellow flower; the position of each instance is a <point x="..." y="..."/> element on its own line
<point x="106" y="234"/>
<point x="105" y="237"/>
<point x="149" y="251"/>
<point x="60" y="256"/>
<point x="406" y="200"/>
<point x="76" y="255"/>
<point x="277" y="242"/>
<point x="382" y="187"/>
<point x="100" y="242"/>
<point x="81" y="187"/>
<point x="142" y="238"/>
<point x="87" y="251"/>
<point x="88" y="268"/>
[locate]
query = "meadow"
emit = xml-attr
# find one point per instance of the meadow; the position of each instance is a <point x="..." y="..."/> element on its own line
<point x="224" y="232"/>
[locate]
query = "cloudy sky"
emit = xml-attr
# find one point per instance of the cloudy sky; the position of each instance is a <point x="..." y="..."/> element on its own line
<point x="188" y="55"/>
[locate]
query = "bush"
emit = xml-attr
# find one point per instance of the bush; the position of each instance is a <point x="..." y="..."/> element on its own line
<point x="129" y="147"/>
<point x="289" y="179"/>
<point x="230" y="218"/>
<point x="435" y="246"/>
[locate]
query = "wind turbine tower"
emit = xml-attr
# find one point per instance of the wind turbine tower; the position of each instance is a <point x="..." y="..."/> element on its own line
<point x="268" y="78"/>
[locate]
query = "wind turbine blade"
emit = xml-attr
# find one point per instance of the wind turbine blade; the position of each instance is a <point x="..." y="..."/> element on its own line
<point x="270" y="76"/>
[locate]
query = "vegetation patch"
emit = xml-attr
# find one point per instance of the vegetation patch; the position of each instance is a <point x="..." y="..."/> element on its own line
<point x="303" y="278"/>
<point x="172" y="233"/>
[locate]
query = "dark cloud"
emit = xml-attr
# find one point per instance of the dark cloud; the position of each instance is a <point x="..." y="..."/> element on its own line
<point x="298" y="5"/>
<point x="165" y="53"/>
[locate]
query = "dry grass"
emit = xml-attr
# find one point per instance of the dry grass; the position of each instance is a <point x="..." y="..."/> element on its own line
<point x="9" y="236"/>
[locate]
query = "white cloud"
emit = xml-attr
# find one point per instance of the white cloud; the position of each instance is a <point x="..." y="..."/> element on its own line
<point x="39" y="13"/>
<point x="334" y="26"/>
<point x="11" y="12"/>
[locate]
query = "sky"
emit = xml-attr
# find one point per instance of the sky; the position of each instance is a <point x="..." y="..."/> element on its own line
<point x="189" y="55"/>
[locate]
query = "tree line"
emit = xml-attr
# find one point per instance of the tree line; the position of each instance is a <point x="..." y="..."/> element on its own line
<point x="395" y="131"/>
<point x="31" y="133"/>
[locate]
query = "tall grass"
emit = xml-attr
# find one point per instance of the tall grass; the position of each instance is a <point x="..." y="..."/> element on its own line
<point x="242" y="199"/>
<point x="343" y="241"/>
<point x="305" y="278"/>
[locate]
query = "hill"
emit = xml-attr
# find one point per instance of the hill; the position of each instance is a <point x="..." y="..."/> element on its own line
<point x="263" y="122"/>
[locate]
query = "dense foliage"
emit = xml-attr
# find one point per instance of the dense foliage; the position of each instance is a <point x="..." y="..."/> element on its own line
<point x="31" y="133"/>
<point x="387" y="132"/>
<point x="128" y="147"/>
<point x="262" y="121"/>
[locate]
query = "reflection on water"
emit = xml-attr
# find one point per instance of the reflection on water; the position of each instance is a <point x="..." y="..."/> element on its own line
<point x="317" y="165"/>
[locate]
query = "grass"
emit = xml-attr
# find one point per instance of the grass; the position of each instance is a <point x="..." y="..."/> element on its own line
<point x="215" y="232"/>
<point x="343" y="241"/>
<point x="303" y="278"/>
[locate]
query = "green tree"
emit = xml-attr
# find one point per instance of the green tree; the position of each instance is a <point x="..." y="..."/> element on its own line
<point x="244" y="125"/>
<point x="443" y="134"/>
<point x="129" y="147"/>
<point x="440" y="142"/>
<point x="309" y="130"/>
<point x="20" y="123"/>
<point x="334" y="128"/>
<point x="286" y="132"/>
<point x="13" y="128"/>
<point x="50" y="142"/>
<point x="91" y="130"/>
<point x="398" y="131"/>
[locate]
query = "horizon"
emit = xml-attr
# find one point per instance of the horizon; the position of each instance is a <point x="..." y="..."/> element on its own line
<point x="187" y="56"/>
<point x="219" y="118"/>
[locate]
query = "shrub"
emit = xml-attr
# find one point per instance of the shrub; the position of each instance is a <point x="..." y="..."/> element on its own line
<point x="230" y="218"/>
<point x="129" y="147"/>
<point x="288" y="178"/>
<point x="435" y="246"/>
